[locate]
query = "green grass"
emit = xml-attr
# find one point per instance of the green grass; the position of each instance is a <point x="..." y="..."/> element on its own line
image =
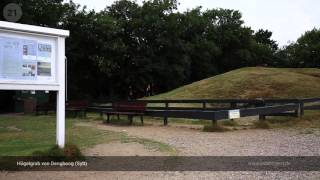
<point x="180" y="121"/>
<point x="214" y="128"/>
<point x="151" y="145"/>
<point x="22" y="135"/>
<point x="229" y="123"/>
<point x="261" y="125"/>
<point x="253" y="82"/>
<point x="311" y="119"/>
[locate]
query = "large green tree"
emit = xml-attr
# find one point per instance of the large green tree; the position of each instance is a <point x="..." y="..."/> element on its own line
<point x="132" y="45"/>
<point x="305" y="52"/>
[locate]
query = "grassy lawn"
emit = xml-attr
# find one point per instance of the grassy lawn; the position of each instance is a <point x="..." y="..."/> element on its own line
<point x="20" y="135"/>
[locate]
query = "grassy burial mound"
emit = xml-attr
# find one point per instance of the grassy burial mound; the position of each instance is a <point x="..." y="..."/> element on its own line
<point x="250" y="83"/>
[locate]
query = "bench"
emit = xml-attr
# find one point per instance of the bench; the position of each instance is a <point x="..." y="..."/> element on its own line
<point x="130" y="109"/>
<point x="45" y="108"/>
<point x="76" y="107"/>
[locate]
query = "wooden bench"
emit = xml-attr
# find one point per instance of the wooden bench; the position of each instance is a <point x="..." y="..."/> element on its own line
<point x="45" y="108"/>
<point x="77" y="107"/>
<point x="130" y="109"/>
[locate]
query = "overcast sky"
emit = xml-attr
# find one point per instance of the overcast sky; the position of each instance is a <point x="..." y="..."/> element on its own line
<point x="287" y="19"/>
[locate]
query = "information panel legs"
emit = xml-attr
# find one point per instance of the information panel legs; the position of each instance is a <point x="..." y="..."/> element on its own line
<point x="60" y="119"/>
<point x="61" y="95"/>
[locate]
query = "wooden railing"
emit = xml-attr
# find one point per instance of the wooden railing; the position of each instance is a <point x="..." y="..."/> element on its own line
<point x="245" y="107"/>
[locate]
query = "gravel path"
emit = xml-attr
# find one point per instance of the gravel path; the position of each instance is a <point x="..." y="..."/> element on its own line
<point x="191" y="141"/>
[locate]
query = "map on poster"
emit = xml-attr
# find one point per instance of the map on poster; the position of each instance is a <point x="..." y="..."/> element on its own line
<point x="23" y="59"/>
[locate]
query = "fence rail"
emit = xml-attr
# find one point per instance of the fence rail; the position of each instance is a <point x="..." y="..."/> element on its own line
<point x="246" y="107"/>
<point x="224" y="114"/>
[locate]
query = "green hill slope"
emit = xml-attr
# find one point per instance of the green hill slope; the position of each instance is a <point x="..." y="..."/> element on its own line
<point x="253" y="82"/>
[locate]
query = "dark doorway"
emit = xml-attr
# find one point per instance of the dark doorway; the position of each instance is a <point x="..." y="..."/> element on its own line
<point x="7" y="101"/>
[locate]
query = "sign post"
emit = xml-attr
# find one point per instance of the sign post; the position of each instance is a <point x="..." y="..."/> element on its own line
<point x="33" y="58"/>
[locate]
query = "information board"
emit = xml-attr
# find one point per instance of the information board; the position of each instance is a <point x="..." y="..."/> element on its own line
<point x="26" y="59"/>
<point x="33" y="58"/>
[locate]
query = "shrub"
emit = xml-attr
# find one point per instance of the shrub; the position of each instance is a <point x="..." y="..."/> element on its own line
<point x="69" y="152"/>
<point x="261" y="125"/>
<point x="229" y="123"/>
<point x="214" y="128"/>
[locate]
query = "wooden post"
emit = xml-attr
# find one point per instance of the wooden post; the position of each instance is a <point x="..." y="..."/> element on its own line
<point x="261" y="103"/>
<point x="204" y="105"/>
<point x="262" y="117"/>
<point x="165" y="121"/>
<point x="75" y="114"/>
<point x="233" y="105"/>
<point x="298" y="112"/>
<point x="301" y="108"/>
<point x="214" y="122"/>
<point x="85" y="114"/>
<point x="108" y="118"/>
<point x="130" y="119"/>
<point x="141" y="119"/>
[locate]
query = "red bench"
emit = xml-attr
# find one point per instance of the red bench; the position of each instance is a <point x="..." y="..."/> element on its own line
<point x="130" y="109"/>
<point x="77" y="106"/>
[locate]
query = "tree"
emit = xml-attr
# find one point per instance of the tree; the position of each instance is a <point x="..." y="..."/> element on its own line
<point x="132" y="45"/>
<point x="304" y="53"/>
<point x="49" y="13"/>
<point x="264" y="37"/>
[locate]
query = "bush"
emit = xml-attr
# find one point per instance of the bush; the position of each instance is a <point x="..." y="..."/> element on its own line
<point x="69" y="152"/>
<point x="229" y="123"/>
<point x="214" y="128"/>
<point x="261" y="125"/>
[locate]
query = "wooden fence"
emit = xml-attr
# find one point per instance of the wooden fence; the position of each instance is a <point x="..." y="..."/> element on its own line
<point x="235" y="108"/>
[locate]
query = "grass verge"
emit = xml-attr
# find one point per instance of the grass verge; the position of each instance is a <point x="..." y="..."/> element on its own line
<point x="23" y="135"/>
<point x="214" y="128"/>
<point x="261" y="125"/>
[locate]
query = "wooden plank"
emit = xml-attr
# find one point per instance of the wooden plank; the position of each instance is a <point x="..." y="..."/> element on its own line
<point x="315" y="107"/>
